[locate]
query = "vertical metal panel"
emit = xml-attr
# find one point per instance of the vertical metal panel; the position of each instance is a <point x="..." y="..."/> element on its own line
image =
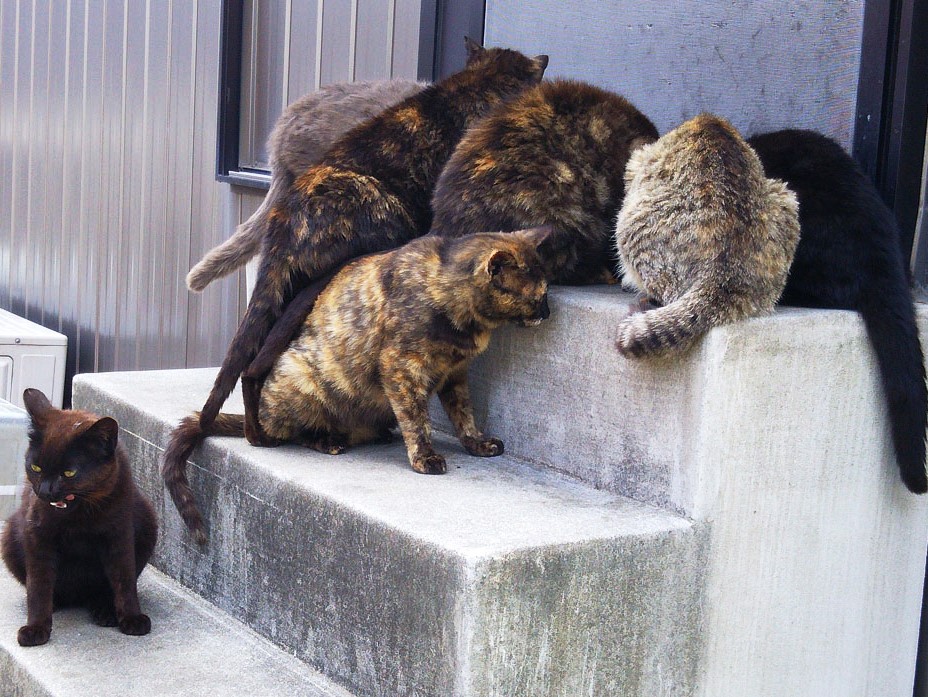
<point x="212" y="317"/>
<point x="301" y="49"/>
<point x="373" y="40"/>
<point x="7" y="78"/>
<point x="405" y="40"/>
<point x="337" y="32"/>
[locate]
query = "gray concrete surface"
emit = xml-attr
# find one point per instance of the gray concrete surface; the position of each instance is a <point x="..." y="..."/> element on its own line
<point x="193" y="650"/>
<point x="497" y="578"/>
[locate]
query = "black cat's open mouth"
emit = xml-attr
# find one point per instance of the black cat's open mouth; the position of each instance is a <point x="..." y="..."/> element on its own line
<point x="62" y="504"/>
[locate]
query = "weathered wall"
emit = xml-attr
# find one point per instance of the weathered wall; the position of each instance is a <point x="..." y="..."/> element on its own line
<point x="764" y="65"/>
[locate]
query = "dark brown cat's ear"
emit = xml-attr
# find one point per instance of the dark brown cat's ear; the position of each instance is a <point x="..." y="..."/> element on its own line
<point x="102" y="436"/>
<point x="499" y="260"/>
<point x="37" y="405"/>
<point x="540" y="62"/>
<point x="542" y="238"/>
<point x="474" y="50"/>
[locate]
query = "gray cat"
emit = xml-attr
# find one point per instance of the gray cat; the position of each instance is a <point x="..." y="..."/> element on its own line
<point x="301" y="136"/>
<point x="703" y="233"/>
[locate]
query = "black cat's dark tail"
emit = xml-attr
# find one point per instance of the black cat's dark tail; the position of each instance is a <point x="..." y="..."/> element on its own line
<point x="184" y="440"/>
<point x="889" y="314"/>
<point x="267" y="301"/>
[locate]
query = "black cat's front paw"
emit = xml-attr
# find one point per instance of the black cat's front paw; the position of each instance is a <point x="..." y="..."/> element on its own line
<point x="487" y="447"/>
<point x="432" y="463"/>
<point x="136" y="625"/>
<point x="34" y="634"/>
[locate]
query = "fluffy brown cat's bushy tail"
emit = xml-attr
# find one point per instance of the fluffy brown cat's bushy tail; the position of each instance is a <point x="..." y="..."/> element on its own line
<point x="673" y="327"/>
<point x="184" y="440"/>
<point x="236" y="251"/>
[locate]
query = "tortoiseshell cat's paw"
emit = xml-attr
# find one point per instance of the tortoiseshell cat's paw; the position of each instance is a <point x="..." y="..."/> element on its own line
<point x="104" y="615"/>
<point x="136" y="625"/>
<point x="487" y="447"/>
<point x="34" y="634"/>
<point x="433" y="463"/>
<point x="328" y="444"/>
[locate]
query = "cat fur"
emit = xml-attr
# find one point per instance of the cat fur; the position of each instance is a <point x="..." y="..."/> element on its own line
<point x="370" y="192"/>
<point x="850" y="257"/>
<point x="703" y="233"/>
<point x="300" y="138"/>
<point x="387" y="332"/>
<point x="555" y="155"/>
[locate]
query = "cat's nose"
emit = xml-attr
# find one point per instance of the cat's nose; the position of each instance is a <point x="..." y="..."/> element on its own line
<point x="45" y="490"/>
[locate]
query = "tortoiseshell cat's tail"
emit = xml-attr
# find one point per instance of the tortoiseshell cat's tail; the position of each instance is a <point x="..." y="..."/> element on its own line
<point x="184" y="440"/>
<point x="888" y="312"/>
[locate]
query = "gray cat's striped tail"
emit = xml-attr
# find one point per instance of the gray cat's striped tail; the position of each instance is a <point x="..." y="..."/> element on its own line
<point x="673" y="327"/>
<point x="236" y="251"/>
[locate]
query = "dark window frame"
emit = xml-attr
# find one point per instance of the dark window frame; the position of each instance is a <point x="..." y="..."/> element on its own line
<point x="892" y="110"/>
<point x="442" y="27"/>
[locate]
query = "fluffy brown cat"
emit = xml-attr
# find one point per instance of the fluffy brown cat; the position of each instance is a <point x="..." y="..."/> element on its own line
<point x="703" y="233"/>
<point x="555" y="155"/>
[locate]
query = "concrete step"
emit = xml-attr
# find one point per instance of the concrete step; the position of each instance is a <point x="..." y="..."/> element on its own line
<point x="496" y="579"/>
<point x="193" y="650"/>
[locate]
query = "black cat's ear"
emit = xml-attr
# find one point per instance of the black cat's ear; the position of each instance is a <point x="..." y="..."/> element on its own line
<point x="103" y="436"/>
<point x="540" y="62"/>
<point x="37" y="405"/>
<point x="474" y="50"/>
<point x="499" y="260"/>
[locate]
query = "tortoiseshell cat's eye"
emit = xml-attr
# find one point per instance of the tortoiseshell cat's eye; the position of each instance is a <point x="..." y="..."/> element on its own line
<point x="35" y="468"/>
<point x="69" y="473"/>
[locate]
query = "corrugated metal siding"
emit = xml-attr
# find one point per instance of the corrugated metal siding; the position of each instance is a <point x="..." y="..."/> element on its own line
<point x="107" y="149"/>
<point x="107" y="145"/>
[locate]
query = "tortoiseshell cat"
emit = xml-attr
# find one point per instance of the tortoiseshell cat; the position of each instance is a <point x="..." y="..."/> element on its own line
<point x="849" y="257"/>
<point x="370" y="192"/>
<point x="703" y="233"/>
<point x="84" y="532"/>
<point x="555" y="155"/>
<point x="302" y="135"/>
<point x="386" y="333"/>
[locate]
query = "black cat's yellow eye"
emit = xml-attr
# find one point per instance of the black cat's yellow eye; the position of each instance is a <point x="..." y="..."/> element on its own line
<point x="69" y="473"/>
<point x="35" y="468"/>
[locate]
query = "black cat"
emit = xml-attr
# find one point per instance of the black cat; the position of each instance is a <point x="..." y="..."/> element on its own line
<point x="84" y="532"/>
<point x="849" y="257"/>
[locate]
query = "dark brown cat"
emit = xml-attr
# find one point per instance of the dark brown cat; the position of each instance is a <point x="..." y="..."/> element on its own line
<point x="387" y="332"/>
<point x="555" y="155"/>
<point x="84" y="532"/>
<point x="370" y="192"/>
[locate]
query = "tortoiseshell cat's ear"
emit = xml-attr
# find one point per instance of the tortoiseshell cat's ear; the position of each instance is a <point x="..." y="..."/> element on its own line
<point x="498" y="260"/>
<point x="474" y="50"/>
<point x="102" y="437"/>
<point x="542" y="238"/>
<point x="541" y="62"/>
<point x="37" y="405"/>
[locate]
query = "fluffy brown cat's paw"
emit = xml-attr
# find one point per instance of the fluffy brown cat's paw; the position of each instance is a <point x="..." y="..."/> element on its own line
<point x="33" y="634"/>
<point x="136" y="625"/>
<point x="488" y="447"/>
<point x="430" y="464"/>
<point x="630" y="343"/>
<point x="104" y="616"/>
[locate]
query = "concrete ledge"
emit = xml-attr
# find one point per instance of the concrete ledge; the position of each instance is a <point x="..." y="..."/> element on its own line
<point x="497" y="578"/>
<point x="192" y="650"/>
